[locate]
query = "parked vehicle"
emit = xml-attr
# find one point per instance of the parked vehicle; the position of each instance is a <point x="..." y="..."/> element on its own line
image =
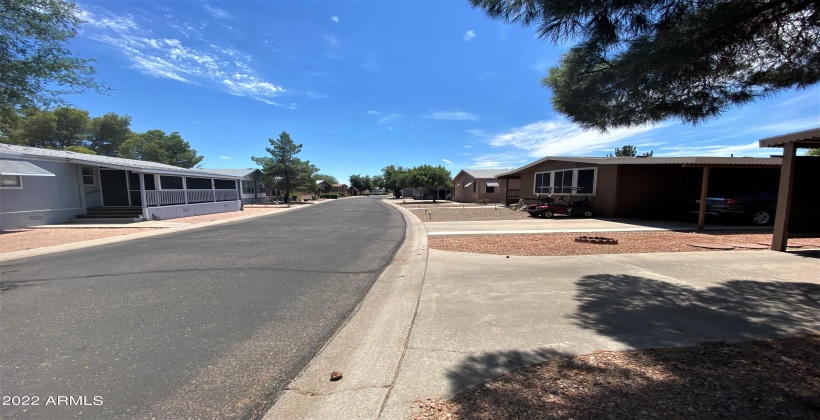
<point x="754" y="207"/>
<point x="548" y="207"/>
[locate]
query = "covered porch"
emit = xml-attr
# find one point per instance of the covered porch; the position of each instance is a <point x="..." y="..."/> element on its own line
<point x="162" y="195"/>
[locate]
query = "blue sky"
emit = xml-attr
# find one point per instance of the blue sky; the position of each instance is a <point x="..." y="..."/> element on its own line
<point x="366" y="84"/>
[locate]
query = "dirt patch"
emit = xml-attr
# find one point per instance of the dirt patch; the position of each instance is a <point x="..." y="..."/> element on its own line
<point x="459" y="214"/>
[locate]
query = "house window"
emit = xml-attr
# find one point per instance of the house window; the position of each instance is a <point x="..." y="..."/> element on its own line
<point x="248" y="187"/>
<point x="490" y="189"/>
<point x="566" y="181"/>
<point x="88" y="175"/>
<point x="543" y="183"/>
<point x="11" y="181"/>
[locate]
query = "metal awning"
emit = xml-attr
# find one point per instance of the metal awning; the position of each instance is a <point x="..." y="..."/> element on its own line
<point x="492" y="183"/>
<point x="22" y="168"/>
<point x="468" y="184"/>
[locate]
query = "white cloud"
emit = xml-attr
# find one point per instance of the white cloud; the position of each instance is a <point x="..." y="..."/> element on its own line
<point x="499" y="161"/>
<point x="467" y="146"/>
<point x="384" y="118"/>
<point x="390" y="128"/>
<point x="217" y="12"/>
<point x="562" y="138"/>
<point x="470" y="34"/>
<point x="335" y="19"/>
<point x="314" y="95"/>
<point x="447" y="161"/>
<point x="750" y="150"/>
<point x="225" y="157"/>
<point x="451" y="116"/>
<point x="211" y="65"/>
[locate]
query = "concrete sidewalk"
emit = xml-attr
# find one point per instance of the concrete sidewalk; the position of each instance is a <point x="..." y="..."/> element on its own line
<point x="437" y="322"/>
<point x="574" y="225"/>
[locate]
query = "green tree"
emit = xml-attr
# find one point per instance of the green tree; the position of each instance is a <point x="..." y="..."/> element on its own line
<point x="71" y="127"/>
<point x="629" y="151"/>
<point x="430" y="178"/>
<point x="813" y="152"/>
<point x="107" y="133"/>
<point x="395" y="178"/>
<point x="156" y="146"/>
<point x="35" y="65"/>
<point x="283" y="169"/>
<point x="80" y="149"/>
<point x="57" y="129"/>
<point x="644" y="62"/>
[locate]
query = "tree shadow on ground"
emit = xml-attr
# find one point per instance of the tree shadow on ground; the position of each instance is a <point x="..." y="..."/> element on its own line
<point x="707" y="367"/>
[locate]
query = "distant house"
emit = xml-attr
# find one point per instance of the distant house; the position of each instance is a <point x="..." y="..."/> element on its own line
<point x="42" y="186"/>
<point x="472" y="185"/>
<point x="251" y="188"/>
<point x="639" y="186"/>
<point x="323" y="186"/>
<point x="339" y="188"/>
<point x="353" y="191"/>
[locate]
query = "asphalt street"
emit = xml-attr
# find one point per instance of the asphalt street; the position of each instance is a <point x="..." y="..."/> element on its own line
<point x="211" y="322"/>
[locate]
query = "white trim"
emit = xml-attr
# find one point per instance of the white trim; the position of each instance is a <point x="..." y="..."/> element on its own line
<point x="19" y="185"/>
<point x="39" y="210"/>
<point x="94" y="175"/>
<point x="574" y="183"/>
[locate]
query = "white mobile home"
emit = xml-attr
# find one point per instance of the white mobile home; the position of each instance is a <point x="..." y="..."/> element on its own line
<point x="42" y="186"/>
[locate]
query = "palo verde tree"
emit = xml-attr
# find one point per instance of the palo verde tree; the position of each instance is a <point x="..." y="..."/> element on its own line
<point x="644" y="62"/>
<point x="430" y="178"/>
<point x="36" y="67"/>
<point x="283" y="169"/>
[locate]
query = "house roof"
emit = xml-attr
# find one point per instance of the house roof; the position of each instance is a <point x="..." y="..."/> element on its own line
<point x="483" y="173"/>
<point x="808" y="139"/>
<point x="232" y="171"/>
<point x="141" y="166"/>
<point x="684" y="160"/>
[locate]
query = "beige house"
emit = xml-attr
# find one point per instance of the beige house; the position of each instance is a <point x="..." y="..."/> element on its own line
<point x="473" y="185"/>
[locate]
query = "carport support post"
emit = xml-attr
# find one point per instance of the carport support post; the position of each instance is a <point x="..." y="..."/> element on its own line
<point x="142" y="197"/>
<point x="784" y="199"/>
<point x="704" y="187"/>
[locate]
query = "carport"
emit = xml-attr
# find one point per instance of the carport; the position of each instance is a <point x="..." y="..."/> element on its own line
<point x="809" y="139"/>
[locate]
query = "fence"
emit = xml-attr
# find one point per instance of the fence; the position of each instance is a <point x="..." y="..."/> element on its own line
<point x="155" y="198"/>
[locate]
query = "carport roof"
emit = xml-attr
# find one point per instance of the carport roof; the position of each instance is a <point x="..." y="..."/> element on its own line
<point x="684" y="160"/>
<point x="21" y="168"/>
<point x="808" y="139"/>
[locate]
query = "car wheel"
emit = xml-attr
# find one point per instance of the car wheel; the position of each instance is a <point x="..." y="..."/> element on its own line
<point x="761" y="217"/>
<point x="547" y="214"/>
<point x="588" y="213"/>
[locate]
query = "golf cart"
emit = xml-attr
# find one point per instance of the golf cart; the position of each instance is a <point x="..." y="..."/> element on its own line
<point x="548" y="207"/>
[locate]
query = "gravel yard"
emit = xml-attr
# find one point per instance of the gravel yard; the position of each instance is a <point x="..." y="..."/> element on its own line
<point x="564" y="243"/>
<point x="22" y="239"/>
<point x="459" y="214"/>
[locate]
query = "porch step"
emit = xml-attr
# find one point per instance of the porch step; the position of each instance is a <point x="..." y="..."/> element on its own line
<point x="110" y="215"/>
<point x="103" y="220"/>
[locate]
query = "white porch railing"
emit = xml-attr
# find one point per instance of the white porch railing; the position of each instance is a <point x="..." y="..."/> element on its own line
<point x="155" y="198"/>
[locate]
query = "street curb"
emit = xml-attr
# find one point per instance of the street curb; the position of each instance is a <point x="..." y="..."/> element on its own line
<point x="369" y="348"/>
<point x="28" y="253"/>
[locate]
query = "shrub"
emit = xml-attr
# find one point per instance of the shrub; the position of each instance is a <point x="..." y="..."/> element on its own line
<point x="483" y="201"/>
<point x="332" y="195"/>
